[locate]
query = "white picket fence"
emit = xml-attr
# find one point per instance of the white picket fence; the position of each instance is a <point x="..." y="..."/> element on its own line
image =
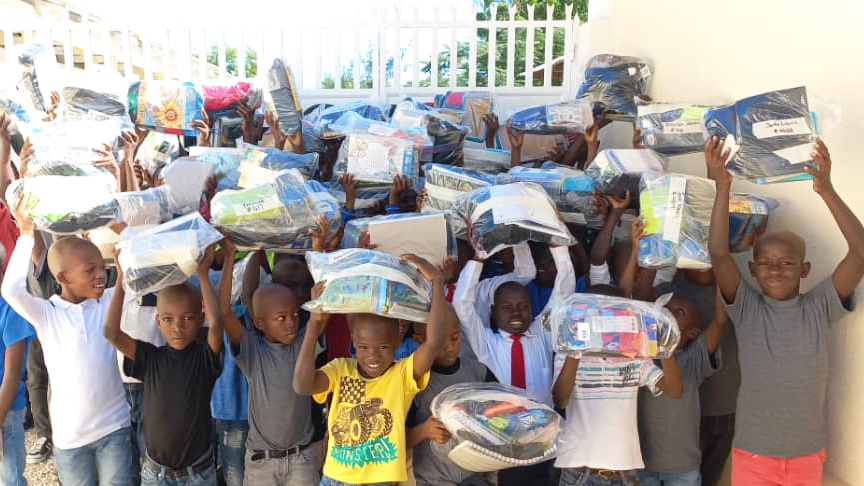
<point x="398" y="37"/>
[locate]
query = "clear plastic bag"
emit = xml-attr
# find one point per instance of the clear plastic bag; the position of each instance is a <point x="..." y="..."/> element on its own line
<point x="274" y="214"/>
<point x="147" y="207"/>
<point x="226" y="163"/>
<point x="261" y="164"/>
<point x="222" y="100"/>
<point x="166" y="106"/>
<point x="570" y="189"/>
<point x="615" y="170"/>
<point x="66" y="148"/>
<point x="771" y="135"/>
<point x="676" y="210"/>
<point x="96" y="95"/>
<point x="490" y="160"/>
<point x="369" y="197"/>
<point x="412" y="241"/>
<point x="605" y="325"/>
<point x="502" y="216"/>
<point x="377" y="151"/>
<point x="445" y="183"/>
<point x="322" y="121"/>
<point x="65" y="205"/>
<point x="447" y="137"/>
<point x="186" y="178"/>
<point x="612" y="82"/>
<point x="474" y="106"/>
<point x="11" y="105"/>
<point x="569" y="116"/>
<point x="285" y="95"/>
<point x="671" y="128"/>
<point x="748" y="218"/>
<point x="165" y="255"/>
<point x="39" y="74"/>
<point x="158" y="149"/>
<point x="369" y="282"/>
<point x="495" y="426"/>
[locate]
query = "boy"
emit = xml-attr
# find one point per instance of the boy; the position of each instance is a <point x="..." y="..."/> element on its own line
<point x="371" y="394"/>
<point x="783" y="335"/>
<point x="601" y="395"/>
<point x="90" y="417"/>
<point x="669" y="429"/>
<point x="430" y="469"/>
<point x="178" y="380"/>
<point x="277" y="449"/>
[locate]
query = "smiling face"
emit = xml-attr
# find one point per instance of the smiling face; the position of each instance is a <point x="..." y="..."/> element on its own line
<point x="78" y="267"/>
<point x="277" y="314"/>
<point x="512" y="308"/>
<point x="778" y="264"/>
<point x="449" y="353"/>
<point x="179" y="313"/>
<point x="375" y="341"/>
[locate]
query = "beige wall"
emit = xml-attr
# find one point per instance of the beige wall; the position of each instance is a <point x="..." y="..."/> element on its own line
<point x="722" y="51"/>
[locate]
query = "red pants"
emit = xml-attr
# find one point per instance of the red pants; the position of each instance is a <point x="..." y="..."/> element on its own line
<point x="750" y="469"/>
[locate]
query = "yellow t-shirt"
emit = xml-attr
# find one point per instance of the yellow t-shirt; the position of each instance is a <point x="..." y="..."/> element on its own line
<point x="366" y="422"/>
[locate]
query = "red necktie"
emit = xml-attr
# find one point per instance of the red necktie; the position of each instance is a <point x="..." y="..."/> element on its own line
<point x="517" y="364"/>
<point x="450" y="289"/>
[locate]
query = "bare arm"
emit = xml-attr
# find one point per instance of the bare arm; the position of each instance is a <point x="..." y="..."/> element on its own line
<point x="307" y="379"/>
<point x="563" y="387"/>
<point x="6" y="174"/>
<point x="725" y="270"/>
<point x="603" y="243"/>
<point x="628" y="277"/>
<point x="211" y="303"/>
<point x="233" y="327"/>
<point x="492" y="126"/>
<point x="672" y="383"/>
<point x="111" y="329"/>
<point x="431" y="429"/>
<point x="517" y="137"/>
<point x="717" y="328"/>
<point x="251" y="279"/>
<point x="425" y="355"/>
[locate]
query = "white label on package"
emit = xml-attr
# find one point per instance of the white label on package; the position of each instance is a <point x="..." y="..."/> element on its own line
<point x="367" y="154"/>
<point x="583" y="331"/>
<point x="258" y="205"/>
<point x="796" y="153"/>
<point x="733" y="147"/>
<point x="510" y="204"/>
<point x="645" y="71"/>
<point x="674" y="209"/>
<point x="615" y="324"/>
<point x="680" y="127"/>
<point x="781" y="128"/>
<point x="565" y="115"/>
<point x="631" y="71"/>
<point x="252" y="174"/>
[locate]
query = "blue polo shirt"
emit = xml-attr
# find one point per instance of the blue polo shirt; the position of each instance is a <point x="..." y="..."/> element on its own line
<point x="14" y="329"/>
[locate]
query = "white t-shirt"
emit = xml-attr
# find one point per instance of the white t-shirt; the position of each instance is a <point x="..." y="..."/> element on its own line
<point x="601" y="430"/>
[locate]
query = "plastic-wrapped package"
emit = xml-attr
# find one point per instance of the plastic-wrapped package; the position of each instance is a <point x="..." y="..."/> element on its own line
<point x="96" y="95"/>
<point x="226" y="163"/>
<point x="369" y="196"/>
<point x="322" y="121"/>
<point x="66" y="148"/>
<point x="447" y="137"/>
<point x="369" y="282"/>
<point x="430" y="236"/>
<point x="186" y="178"/>
<point x="39" y="74"/>
<point x="671" y="128"/>
<point x="158" y="149"/>
<point x="748" y="218"/>
<point x="612" y="82"/>
<point x="569" y="116"/>
<point x="377" y="151"/>
<point x="273" y="214"/>
<point x="605" y="325"/>
<point x="495" y="426"/>
<point x="147" y="207"/>
<point x="474" y="106"/>
<point x="676" y="210"/>
<point x="285" y="95"/>
<point x="221" y="100"/>
<point x="261" y="164"/>
<point x="489" y="160"/>
<point x="445" y="183"/>
<point x="65" y="205"/>
<point x="570" y="189"/>
<point x="614" y="169"/>
<point x="537" y="147"/>
<point x="771" y="135"/>
<point x="165" y="106"/>
<point x="505" y="215"/>
<point x="10" y="105"/>
<point x="165" y="255"/>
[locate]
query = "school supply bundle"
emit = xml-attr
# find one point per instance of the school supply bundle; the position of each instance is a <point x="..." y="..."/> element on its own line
<point x="616" y="170"/>
<point x="613" y="326"/>
<point x="430" y="236"/>
<point x="148" y="207"/>
<point x="157" y="150"/>
<point x="39" y="75"/>
<point x="671" y="128"/>
<point x="445" y="183"/>
<point x="65" y="204"/>
<point x="770" y="135"/>
<point x="165" y="106"/>
<point x="164" y="255"/>
<point x="226" y="164"/>
<point x="502" y="216"/>
<point x="490" y="159"/>
<point x="371" y="197"/>
<point x="473" y="106"/>
<point x="222" y="100"/>
<point x="186" y="178"/>
<point x="285" y="95"/>
<point x="569" y="116"/>
<point x="273" y="214"/>
<point x="495" y="426"/>
<point x="612" y="82"/>
<point x="66" y="148"/>
<point x="321" y="122"/>
<point x="261" y="164"/>
<point x="748" y="218"/>
<point x="570" y="189"/>
<point x="676" y="210"/>
<point x="369" y="281"/>
<point x="447" y="137"/>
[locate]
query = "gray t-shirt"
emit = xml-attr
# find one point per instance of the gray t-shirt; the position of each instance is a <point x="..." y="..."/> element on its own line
<point x="278" y="418"/>
<point x="783" y="351"/>
<point x="431" y="468"/>
<point x="669" y="427"/>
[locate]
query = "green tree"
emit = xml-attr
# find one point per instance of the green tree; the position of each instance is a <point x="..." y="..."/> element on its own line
<point x="231" y="60"/>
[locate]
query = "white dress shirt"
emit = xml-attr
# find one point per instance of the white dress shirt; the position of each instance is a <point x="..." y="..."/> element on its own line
<point x="523" y="272"/>
<point x="494" y="348"/>
<point x="87" y="400"/>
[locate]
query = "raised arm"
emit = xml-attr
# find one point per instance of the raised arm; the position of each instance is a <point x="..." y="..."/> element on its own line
<point x="517" y="137"/>
<point x="715" y="331"/>
<point x="672" y="382"/>
<point x="211" y="303"/>
<point x="233" y="327"/>
<point x="603" y="243"/>
<point x="628" y="278"/>
<point x="465" y="302"/>
<point x="849" y="271"/>
<point x="14" y="288"/>
<point x="436" y="326"/>
<point x="251" y="279"/>
<point x="565" y="278"/>
<point x="111" y="329"/>
<point x="725" y="270"/>
<point x="492" y="126"/>
<point x="307" y="379"/>
<point x="563" y="387"/>
<point x="6" y="173"/>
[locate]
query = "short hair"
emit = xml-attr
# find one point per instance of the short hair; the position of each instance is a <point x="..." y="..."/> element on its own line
<point x="791" y="238"/>
<point x="508" y="287"/>
<point x="65" y="252"/>
<point x="183" y="290"/>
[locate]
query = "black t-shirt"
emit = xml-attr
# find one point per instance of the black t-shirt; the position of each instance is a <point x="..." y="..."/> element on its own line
<point x="177" y="390"/>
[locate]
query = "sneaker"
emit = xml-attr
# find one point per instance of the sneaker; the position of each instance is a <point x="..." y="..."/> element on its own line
<point x="40" y="451"/>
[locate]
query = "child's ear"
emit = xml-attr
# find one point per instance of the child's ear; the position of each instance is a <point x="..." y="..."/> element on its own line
<point x="62" y="279"/>
<point x="259" y="324"/>
<point x="752" y="266"/>
<point x="805" y="269"/>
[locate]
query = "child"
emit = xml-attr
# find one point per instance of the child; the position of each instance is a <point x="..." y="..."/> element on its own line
<point x="178" y="379"/>
<point x="600" y="395"/>
<point x="90" y="417"/>
<point x="278" y="449"/>
<point x="371" y="394"/>
<point x="669" y="429"/>
<point x="430" y="469"/>
<point x="783" y="335"/>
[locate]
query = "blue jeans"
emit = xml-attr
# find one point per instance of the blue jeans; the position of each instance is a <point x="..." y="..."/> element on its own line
<point x="648" y="478"/>
<point x="325" y="481"/>
<point x="151" y="476"/>
<point x="231" y="449"/>
<point x="584" y="477"/>
<point x="12" y="464"/>
<point x="135" y="397"/>
<point x="109" y="456"/>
